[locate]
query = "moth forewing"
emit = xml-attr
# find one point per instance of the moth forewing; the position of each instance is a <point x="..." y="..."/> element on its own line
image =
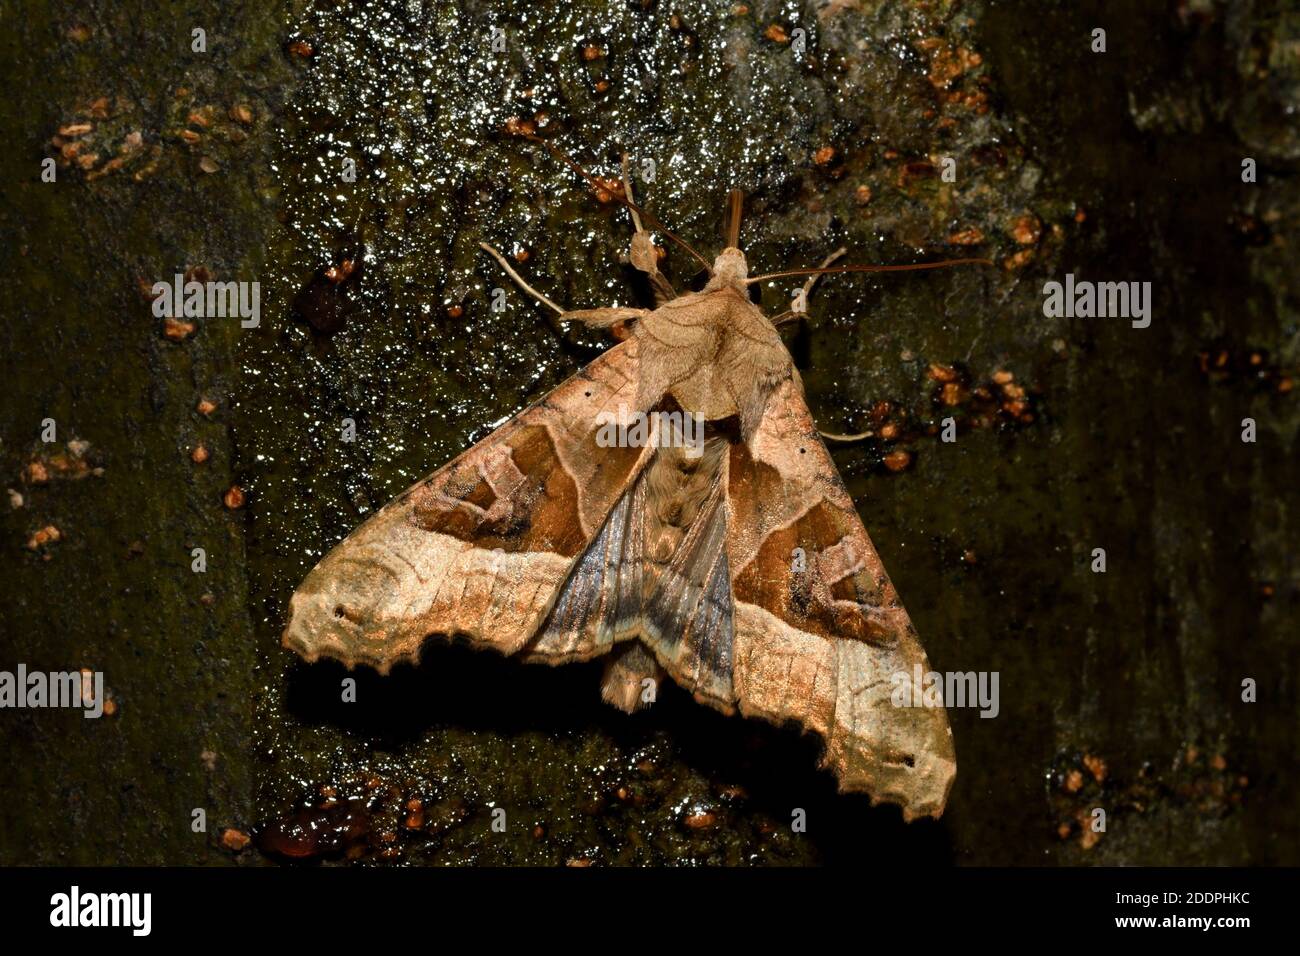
<point x="481" y="547"/>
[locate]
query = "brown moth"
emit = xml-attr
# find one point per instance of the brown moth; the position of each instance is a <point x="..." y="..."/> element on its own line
<point x="739" y="566"/>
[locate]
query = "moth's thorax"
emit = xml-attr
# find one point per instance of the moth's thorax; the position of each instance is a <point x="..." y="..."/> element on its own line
<point x="729" y="269"/>
<point x="713" y="352"/>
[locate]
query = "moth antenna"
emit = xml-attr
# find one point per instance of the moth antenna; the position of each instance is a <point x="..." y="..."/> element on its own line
<point x="911" y="267"/>
<point x="735" y="206"/>
<point x="596" y="184"/>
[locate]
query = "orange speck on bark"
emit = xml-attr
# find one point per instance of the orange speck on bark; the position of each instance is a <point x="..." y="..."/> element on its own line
<point x="177" y="329"/>
<point x="899" y="460"/>
<point x="233" y="839"/>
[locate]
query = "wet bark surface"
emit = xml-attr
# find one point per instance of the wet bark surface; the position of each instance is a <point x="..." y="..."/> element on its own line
<point x="1119" y="690"/>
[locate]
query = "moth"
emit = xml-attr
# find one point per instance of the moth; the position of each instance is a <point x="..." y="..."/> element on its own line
<point x="737" y="564"/>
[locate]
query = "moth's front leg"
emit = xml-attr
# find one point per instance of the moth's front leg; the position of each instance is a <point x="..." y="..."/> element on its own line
<point x="614" y="319"/>
<point x="519" y="281"/>
<point x="799" y="305"/>
<point x="799" y="310"/>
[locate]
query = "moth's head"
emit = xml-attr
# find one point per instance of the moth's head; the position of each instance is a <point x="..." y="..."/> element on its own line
<point x="729" y="269"/>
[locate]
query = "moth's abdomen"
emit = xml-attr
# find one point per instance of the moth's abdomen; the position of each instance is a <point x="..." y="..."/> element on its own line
<point x="631" y="678"/>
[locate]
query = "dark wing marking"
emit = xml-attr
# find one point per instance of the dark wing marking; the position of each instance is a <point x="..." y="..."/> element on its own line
<point x="601" y="599"/>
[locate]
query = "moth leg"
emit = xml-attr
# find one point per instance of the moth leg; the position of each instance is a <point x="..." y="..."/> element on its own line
<point x="631" y="678"/>
<point x="614" y="319"/>
<point x="642" y="255"/>
<point x="605" y="318"/>
<point x="554" y="320"/>
<point x="797" y="311"/>
<point x="799" y="306"/>
<point x="831" y="436"/>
